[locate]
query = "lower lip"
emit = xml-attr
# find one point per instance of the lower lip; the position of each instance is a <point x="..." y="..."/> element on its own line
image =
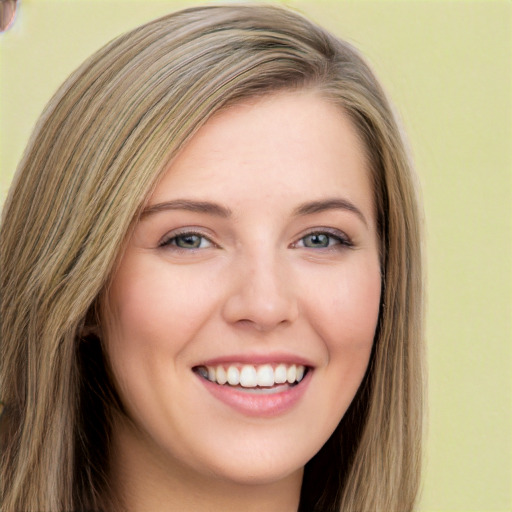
<point x="252" y="404"/>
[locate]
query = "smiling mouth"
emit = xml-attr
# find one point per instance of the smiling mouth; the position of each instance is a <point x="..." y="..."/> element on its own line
<point x="266" y="378"/>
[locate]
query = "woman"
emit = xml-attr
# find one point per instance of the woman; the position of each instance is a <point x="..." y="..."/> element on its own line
<point x="211" y="280"/>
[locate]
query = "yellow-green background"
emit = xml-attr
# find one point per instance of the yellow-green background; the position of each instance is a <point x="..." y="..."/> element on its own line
<point x="447" y="66"/>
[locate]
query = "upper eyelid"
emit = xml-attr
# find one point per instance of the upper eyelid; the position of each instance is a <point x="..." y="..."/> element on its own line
<point x="344" y="241"/>
<point x="181" y="232"/>
<point x="333" y="232"/>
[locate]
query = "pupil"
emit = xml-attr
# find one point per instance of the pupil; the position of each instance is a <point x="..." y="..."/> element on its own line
<point x="188" y="241"/>
<point x="318" y="240"/>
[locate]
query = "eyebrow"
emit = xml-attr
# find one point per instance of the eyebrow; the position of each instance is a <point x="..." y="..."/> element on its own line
<point x="334" y="203"/>
<point x="189" y="205"/>
<point x="309" y="208"/>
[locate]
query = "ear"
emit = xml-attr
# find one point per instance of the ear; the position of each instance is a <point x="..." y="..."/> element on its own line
<point x="88" y="331"/>
<point x="90" y="326"/>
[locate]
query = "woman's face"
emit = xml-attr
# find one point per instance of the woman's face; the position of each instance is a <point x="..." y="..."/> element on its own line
<point x="255" y="260"/>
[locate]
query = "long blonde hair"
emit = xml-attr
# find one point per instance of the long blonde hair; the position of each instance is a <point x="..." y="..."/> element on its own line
<point x="96" y="153"/>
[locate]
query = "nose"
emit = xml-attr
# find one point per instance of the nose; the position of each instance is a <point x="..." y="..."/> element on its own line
<point x="261" y="296"/>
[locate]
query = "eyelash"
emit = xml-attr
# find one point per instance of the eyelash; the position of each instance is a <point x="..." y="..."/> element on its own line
<point x="340" y="238"/>
<point x="171" y="240"/>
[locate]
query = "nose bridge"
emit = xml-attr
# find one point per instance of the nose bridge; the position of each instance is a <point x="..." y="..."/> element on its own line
<point x="261" y="295"/>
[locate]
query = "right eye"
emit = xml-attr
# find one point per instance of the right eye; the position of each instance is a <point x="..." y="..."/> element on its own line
<point x="319" y="241"/>
<point x="324" y="238"/>
<point x="187" y="240"/>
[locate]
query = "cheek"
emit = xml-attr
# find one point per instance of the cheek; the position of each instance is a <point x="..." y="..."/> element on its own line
<point x="153" y="313"/>
<point x="152" y="307"/>
<point x="344" y="315"/>
<point x="138" y="332"/>
<point x="346" y="310"/>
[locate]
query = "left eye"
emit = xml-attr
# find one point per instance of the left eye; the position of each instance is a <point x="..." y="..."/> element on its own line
<point x="187" y="241"/>
<point x="322" y="240"/>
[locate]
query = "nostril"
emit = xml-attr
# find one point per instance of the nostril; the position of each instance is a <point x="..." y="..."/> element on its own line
<point x="259" y="325"/>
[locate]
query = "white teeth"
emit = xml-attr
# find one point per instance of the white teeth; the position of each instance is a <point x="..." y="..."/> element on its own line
<point x="233" y="376"/>
<point x="280" y="374"/>
<point x="265" y="375"/>
<point x="221" y="375"/>
<point x="250" y="376"/>
<point x="291" y="374"/>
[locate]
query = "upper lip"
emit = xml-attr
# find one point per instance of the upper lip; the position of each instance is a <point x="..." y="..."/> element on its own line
<point x="258" y="359"/>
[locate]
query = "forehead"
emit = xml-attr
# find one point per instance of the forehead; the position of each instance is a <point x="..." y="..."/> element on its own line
<point x="287" y="144"/>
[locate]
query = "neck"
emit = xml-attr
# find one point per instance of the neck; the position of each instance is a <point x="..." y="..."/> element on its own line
<point x="141" y="481"/>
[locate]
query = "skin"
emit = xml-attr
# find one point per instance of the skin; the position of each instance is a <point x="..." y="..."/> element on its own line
<point x="257" y="284"/>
